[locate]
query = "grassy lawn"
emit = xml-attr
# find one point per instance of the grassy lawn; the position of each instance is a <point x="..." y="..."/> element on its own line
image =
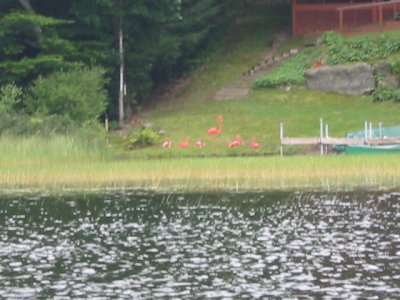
<point x="259" y="116"/>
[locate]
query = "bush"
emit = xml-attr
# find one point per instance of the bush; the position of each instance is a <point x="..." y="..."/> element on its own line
<point x="386" y="93"/>
<point x="146" y="137"/>
<point x="10" y="95"/>
<point x="78" y="94"/>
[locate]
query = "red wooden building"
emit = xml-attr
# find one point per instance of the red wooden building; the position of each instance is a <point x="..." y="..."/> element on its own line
<point x="347" y="16"/>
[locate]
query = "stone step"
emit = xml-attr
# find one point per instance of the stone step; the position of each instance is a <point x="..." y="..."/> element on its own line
<point x="241" y="88"/>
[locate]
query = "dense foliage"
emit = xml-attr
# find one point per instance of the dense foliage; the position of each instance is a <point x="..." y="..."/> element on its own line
<point x="161" y="41"/>
<point x="77" y="94"/>
<point x="361" y="48"/>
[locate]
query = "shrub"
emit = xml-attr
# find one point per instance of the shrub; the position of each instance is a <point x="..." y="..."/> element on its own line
<point x="10" y="95"/>
<point x="385" y="93"/>
<point x="78" y="94"/>
<point x="146" y="137"/>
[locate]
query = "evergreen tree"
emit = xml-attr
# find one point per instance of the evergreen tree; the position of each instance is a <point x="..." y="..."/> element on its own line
<point x="30" y="43"/>
<point x="138" y="42"/>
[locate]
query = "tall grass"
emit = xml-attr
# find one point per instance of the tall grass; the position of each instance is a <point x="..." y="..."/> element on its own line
<point x="240" y="173"/>
<point x="25" y="150"/>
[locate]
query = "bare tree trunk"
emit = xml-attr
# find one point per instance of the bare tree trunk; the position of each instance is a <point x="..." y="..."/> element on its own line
<point x="121" y="72"/>
<point x="26" y="4"/>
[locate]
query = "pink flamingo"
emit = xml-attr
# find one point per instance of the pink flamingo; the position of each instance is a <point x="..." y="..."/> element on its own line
<point x="167" y="144"/>
<point x="185" y="143"/>
<point x="254" y="144"/>
<point x="200" y="144"/>
<point x="235" y="143"/>
<point x="214" y="130"/>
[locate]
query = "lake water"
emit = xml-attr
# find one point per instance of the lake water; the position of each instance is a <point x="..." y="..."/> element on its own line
<point x="132" y="245"/>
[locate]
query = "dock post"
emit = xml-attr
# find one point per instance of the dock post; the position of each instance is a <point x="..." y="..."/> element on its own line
<point x="380" y="130"/>
<point x="106" y="122"/>
<point x="365" y="132"/>
<point x="281" y="137"/>
<point x="370" y="130"/>
<point x="326" y="136"/>
<point x="321" y="134"/>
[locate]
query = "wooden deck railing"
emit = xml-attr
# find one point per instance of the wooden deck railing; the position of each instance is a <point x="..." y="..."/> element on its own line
<point x="315" y="18"/>
<point x="377" y="9"/>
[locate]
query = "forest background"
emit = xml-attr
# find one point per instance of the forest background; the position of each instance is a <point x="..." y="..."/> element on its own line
<point x="66" y="64"/>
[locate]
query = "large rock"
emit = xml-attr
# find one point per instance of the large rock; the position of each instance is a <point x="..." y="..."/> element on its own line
<point x="352" y="79"/>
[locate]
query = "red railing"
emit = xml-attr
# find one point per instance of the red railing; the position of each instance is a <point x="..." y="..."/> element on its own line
<point x="364" y="14"/>
<point x="309" y="19"/>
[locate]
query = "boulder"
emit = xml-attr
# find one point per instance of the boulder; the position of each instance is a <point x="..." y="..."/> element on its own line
<point x="351" y="79"/>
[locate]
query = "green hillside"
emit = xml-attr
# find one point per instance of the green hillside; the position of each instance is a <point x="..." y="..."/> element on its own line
<point x="189" y="113"/>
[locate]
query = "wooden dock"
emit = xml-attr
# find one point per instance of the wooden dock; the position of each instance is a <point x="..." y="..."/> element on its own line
<point x="300" y="141"/>
<point x="324" y="140"/>
<point x="331" y="141"/>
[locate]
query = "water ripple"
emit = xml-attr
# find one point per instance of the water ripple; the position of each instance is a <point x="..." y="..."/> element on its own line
<point x="248" y="246"/>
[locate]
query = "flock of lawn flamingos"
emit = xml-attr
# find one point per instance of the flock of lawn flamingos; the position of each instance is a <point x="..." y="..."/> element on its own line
<point x="237" y="142"/>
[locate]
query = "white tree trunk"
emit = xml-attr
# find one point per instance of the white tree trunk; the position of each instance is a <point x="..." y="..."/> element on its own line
<point x="121" y="73"/>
